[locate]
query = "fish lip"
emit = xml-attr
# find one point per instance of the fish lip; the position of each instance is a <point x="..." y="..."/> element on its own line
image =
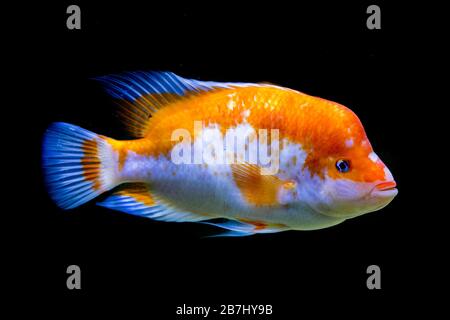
<point x="388" y="192"/>
<point x="386" y="189"/>
<point x="385" y="186"/>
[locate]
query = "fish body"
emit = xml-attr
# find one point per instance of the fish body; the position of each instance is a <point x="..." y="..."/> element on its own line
<point x="263" y="157"/>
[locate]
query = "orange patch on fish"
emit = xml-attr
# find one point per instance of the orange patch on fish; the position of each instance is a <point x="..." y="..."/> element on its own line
<point x="91" y="163"/>
<point x="258" y="224"/>
<point x="319" y="125"/>
<point x="139" y="193"/>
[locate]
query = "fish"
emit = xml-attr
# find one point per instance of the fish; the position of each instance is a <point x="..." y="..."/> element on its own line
<point x="302" y="163"/>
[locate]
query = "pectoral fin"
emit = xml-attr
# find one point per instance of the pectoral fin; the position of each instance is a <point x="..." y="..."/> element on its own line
<point x="258" y="189"/>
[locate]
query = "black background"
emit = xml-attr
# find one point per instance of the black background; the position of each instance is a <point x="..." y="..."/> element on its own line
<point x="135" y="264"/>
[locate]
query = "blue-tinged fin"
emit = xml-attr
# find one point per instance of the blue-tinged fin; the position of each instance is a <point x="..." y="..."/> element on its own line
<point x="136" y="199"/>
<point x="134" y="85"/>
<point x="141" y="94"/>
<point x="78" y="164"/>
<point x="240" y="228"/>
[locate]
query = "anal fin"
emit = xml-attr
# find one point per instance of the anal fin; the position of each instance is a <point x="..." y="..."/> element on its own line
<point x="245" y="228"/>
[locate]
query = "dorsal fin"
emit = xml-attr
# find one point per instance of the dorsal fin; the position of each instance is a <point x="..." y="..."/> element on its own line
<point x="141" y="94"/>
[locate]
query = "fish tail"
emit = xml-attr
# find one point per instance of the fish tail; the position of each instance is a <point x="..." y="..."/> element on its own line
<point x="78" y="164"/>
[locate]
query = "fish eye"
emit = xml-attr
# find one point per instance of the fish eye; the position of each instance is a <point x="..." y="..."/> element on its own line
<point x="343" y="165"/>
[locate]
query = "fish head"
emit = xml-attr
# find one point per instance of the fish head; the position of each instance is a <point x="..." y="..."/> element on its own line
<point x="355" y="185"/>
<point x="349" y="178"/>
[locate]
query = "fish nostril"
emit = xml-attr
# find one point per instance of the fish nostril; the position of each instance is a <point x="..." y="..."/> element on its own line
<point x="386" y="185"/>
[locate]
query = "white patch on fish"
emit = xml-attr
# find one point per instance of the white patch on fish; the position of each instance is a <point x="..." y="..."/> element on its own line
<point x="387" y="174"/>
<point x="373" y="157"/>
<point x="292" y="158"/>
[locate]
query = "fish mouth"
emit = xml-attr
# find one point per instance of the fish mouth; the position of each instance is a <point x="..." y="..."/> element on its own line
<point x="385" y="189"/>
<point x="389" y="185"/>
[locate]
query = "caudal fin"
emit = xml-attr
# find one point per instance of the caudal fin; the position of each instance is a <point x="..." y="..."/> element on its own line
<point x="79" y="165"/>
